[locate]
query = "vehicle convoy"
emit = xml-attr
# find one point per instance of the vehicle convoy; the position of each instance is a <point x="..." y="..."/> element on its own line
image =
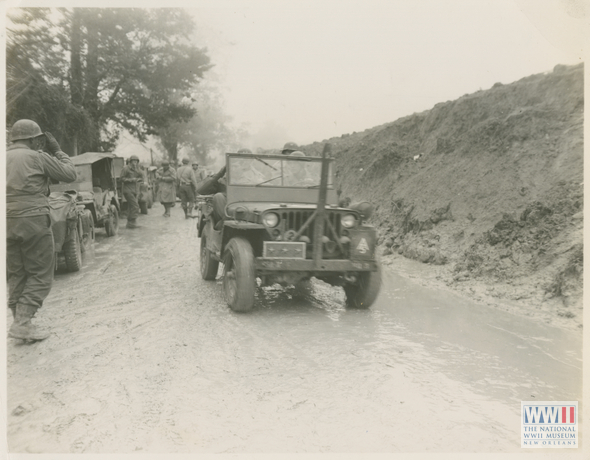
<point x="96" y="188"/>
<point x="283" y="225"/>
<point x="72" y="226"/>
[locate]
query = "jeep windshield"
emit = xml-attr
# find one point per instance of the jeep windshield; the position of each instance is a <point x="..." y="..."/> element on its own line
<point x="262" y="171"/>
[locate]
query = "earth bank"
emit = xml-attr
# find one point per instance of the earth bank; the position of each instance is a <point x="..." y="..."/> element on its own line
<point x="487" y="188"/>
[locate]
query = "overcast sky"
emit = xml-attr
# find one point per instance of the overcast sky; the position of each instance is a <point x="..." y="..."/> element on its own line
<point x="307" y="70"/>
<point x="310" y="70"/>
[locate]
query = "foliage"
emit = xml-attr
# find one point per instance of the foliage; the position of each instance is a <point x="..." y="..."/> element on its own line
<point x="115" y="68"/>
<point x="208" y="131"/>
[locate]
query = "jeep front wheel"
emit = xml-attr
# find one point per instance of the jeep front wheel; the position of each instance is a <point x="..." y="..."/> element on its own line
<point x="209" y="265"/>
<point x="238" y="275"/>
<point x="363" y="293"/>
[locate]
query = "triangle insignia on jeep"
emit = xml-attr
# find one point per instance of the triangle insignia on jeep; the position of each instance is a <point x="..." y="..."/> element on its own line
<point x="362" y="247"/>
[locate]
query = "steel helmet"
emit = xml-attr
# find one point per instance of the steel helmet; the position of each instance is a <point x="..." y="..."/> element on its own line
<point x="165" y="163"/>
<point x="134" y="157"/>
<point x="195" y="163"/>
<point x="25" y="129"/>
<point x="244" y="151"/>
<point x="297" y="153"/>
<point x="185" y="161"/>
<point x="290" y="147"/>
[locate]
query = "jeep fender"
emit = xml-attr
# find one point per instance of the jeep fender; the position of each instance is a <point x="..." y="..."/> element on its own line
<point x="254" y="233"/>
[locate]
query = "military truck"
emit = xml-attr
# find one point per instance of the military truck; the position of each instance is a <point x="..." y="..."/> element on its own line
<point x="282" y="224"/>
<point x="72" y="226"/>
<point x="96" y="187"/>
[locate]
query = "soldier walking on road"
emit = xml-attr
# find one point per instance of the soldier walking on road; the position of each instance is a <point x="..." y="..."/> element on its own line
<point x="166" y="178"/>
<point x="131" y="176"/>
<point x="187" y="186"/>
<point x="200" y="173"/>
<point x="30" y="256"/>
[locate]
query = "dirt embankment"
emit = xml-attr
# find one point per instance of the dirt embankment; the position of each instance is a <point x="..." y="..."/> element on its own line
<point x="489" y="188"/>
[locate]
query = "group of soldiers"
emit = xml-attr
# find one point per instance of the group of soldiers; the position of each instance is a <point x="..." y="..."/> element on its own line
<point x="169" y="183"/>
<point x="34" y="159"/>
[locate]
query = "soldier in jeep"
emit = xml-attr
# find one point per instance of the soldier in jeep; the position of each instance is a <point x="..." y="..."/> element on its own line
<point x="282" y="230"/>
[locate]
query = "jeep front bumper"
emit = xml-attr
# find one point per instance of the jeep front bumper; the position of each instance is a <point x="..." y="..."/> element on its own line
<point x="265" y="265"/>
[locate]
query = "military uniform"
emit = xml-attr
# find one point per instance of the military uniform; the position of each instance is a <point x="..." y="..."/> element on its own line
<point x="131" y="178"/>
<point x="215" y="185"/>
<point x="166" y="188"/>
<point x="200" y="174"/>
<point x="30" y="257"/>
<point x="187" y="186"/>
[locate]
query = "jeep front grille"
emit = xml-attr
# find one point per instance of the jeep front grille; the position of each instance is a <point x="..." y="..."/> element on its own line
<point x="294" y="220"/>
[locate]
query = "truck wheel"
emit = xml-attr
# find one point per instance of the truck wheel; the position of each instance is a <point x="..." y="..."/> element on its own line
<point x="88" y="234"/>
<point x="238" y="275"/>
<point x="364" y="293"/>
<point x="111" y="224"/>
<point x="143" y="207"/>
<point x="73" y="252"/>
<point x="209" y="265"/>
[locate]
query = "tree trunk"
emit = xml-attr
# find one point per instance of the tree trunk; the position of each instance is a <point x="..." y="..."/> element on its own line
<point x="76" y="83"/>
<point x="92" y="82"/>
<point x="70" y="145"/>
<point x="171" y="147"/>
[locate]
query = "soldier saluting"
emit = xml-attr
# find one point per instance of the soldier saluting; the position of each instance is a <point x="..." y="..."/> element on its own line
<point x="30" y="256"/>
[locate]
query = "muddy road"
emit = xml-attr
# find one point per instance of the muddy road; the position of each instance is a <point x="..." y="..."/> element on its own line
<point x="146" y="357"/>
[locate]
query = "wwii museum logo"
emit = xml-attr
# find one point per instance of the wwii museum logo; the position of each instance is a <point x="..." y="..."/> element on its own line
<point x="549" y="424"/>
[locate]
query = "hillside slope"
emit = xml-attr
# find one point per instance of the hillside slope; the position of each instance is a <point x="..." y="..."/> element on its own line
<point x="495" y="197"/>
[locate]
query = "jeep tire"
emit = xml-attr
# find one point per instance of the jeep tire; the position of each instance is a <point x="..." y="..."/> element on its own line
<point x="88" y="235"/>
<point x="239" y="280"/>
<point x="209" y="265"/>
<point x="363" y="293"/>
<point x="73" y="251"/>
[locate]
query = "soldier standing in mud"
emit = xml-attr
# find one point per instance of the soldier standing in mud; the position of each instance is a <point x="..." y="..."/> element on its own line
<point x="30" y="256"/>
<point x="187" y="185"/>
<point x="166" y="178"/>
<point x="131" y="176"/>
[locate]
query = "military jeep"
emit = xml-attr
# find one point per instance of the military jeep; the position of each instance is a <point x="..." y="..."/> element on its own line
<point x="283" y="224"/>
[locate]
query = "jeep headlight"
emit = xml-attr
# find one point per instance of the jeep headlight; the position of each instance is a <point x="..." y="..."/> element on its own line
<point x="270" y="220"/>
<point x="348" y="220"/>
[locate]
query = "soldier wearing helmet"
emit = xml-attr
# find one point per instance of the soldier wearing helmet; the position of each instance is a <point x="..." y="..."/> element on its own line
<point x="298" y="174"/>
<point x="131" y="177"/>
<point x="30" y="257"/>
<point x="166" y="177"/>
<point x="289" y="147"/>
<point x="187" y="187"/>
<point x="200" y="173"/>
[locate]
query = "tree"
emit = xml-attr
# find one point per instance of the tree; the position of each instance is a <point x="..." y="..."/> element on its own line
<point x="31" y="92"/>
<point x="208" y="131"/>
<point x="118" y="68"/>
